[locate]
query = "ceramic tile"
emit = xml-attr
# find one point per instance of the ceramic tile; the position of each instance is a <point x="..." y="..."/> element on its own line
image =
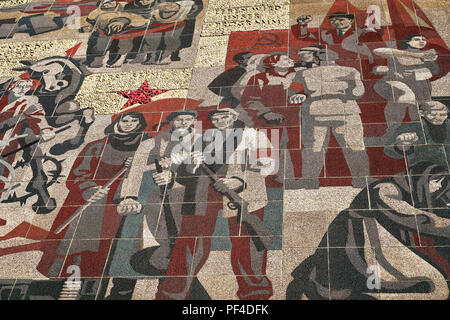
<point x="345" y="150"/>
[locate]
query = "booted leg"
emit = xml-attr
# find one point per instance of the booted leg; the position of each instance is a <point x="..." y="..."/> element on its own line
<point x="188" y="257"/>
<point x="148" y="59"/>
<point x="122" y="289"/>
<point x="133" y="52"/>
<point x="97" y="47"/>
<point x="89" y="289"/>
<point x="249" y="264"/>
<point x="113" y="58"/>
<point x="198" y="292"/>
<point x="358" y="162"/>
<point x="314" y="138"/>
<point x="94" y="61"/>
<point x="312" y="165"/>
<point x="44" y="204"/>
<point x="175" y="56"/>
<point x="355" y="155"/>
<point x="189" y="254"/>
<point x="44" y="290"/>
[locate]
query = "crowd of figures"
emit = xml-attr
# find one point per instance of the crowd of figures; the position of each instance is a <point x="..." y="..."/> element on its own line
<point x="171" y="183"/>
<point x="139" y="31"/>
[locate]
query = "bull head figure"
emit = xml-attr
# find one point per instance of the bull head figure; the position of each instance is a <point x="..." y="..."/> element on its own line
<point x="60" y="76"/>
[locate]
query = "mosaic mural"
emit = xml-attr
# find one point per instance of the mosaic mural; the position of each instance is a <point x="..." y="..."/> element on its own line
<point x="251" y="150"/>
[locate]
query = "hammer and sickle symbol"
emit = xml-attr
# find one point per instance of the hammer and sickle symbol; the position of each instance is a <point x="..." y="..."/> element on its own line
<point x="268" y="39"/>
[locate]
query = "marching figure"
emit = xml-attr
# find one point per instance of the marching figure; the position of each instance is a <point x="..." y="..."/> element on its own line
<point x="109" y="24"/>
<point x="151" y="206"/>
<point x="402" y="207"/>
<point x="347" y="40"/>
<point x="170" y="19"/>
<point x="222" y="85"/>
<point x="266" y="96"/>
<point x="223" y="184"/>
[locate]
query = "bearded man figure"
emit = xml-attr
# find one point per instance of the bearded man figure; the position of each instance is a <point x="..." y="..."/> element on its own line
<point x="426" y="141"/>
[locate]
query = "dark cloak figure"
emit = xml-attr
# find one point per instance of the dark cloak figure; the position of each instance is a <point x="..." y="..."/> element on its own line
<point x="338" y="268"/>
<point x="224" y="82"/>
<point x="61" y="79"/>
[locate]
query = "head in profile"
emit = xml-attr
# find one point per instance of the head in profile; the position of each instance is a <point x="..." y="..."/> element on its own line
<point x="145" y="3"/>
<point x="242" y="58"/>
<point x="255" y="62"/>
<point x="167" y="10"/>
<point x="278" y="62"/>
<point x="430" y="186"/>
<point x="310" y="55"/>
<point x="413" y="41"/>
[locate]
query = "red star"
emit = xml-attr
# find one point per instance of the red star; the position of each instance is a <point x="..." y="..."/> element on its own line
<point x="140" y="96"/>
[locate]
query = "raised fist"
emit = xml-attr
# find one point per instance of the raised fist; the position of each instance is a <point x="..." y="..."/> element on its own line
<point x="129" y="206"/>
<point x="430" y="55"/>
<point x="407" y="139"/>
<point x="304" y="19"/>
<point x="297" y="98"/>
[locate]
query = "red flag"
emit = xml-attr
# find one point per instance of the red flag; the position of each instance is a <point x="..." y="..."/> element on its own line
<point x="408" y="18"/>
<point x="72" y="51"/>
<point x="404" y="19"/>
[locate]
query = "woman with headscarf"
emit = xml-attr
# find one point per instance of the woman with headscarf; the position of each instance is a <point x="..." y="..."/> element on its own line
<point x="86" y="241"/>
<point x="152" y="210"/>
<point x="410" y="210"/>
